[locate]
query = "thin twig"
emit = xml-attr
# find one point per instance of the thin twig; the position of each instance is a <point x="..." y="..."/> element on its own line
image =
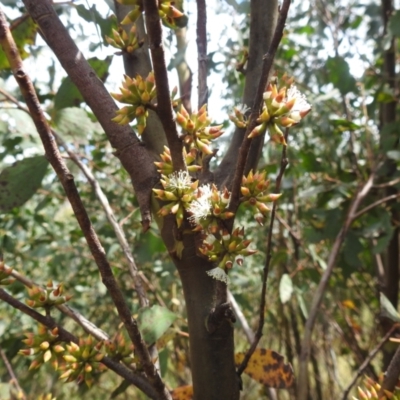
<point x="261" y="316"/>
<point x="133" y="269"/>
<point x="202" y="52"/>
<point x="376" y="203"/>
<point x="368" y="360"/>
<point x="14" y="380"/>
<point x="65" y="336"/>
<point x="134" y="157"/>
<point x="240" y="316"/>
<point x="67" y="181"/>
<point x="392" y="375"/>
<point x="17" y="22"/>
<point x="302" y="388"/>
<point x="164" y="108"/>
<point x="87" y="325"/>
<point x="255" y="112"/>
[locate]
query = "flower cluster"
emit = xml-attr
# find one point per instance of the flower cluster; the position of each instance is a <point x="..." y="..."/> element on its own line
<point x="165" y="166"/>
<point x="82" y="361"/>
<point x="5" y="273"/>
<point x="121" y="40"/>
<point x="283" y="107"/>
<point x="210" y="206"/>
<point x="51" y="295"/>
<point x="196" y="130"/>
<point x="225" y="249"/>
<point x="371" y="390"/>
<point x="239" y="116"/>
<point x="45" y="346"/>
<point x="120" y="350"/>
<point x="139" y="93"/>
<point x="179" y="192"/>
<point x="254" y="191"/>
<point x="166" y="10"/>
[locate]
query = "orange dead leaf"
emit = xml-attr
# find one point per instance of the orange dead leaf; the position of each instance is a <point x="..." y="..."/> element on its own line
<point x="182" y="393"/>
<point x="267" y="367"/>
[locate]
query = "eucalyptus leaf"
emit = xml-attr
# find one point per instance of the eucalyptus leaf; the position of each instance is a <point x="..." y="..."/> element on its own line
<point x="285" y="288"/>
<point x="20" y="181"/>
<point x="154" y="321"/>
<point x="387" y="308"/>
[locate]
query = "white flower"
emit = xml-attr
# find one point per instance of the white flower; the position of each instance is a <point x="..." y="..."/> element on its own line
<point x="201" y="207"/>
<point x="179" y="180"/>
<point x="301" y="104"/>
<point x="219" y="274"/>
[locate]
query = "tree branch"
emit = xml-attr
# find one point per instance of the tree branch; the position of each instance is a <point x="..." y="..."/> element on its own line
<point x="67" y="181"/>
<point x="392" y="374"/>
<point x="164" y="105"/>
<point x="14" y="379"/>
<point x="368" y="360"/>
<point x="255" y="113"/>
<point x="133" y="269"/>
<point x="202" y="52"/>
<point x="302" y="388"/>
<point x="263" y="17"/>
<point x="134" y="158"/>
<point x="261" y="315"/>
<point x="66" y="336"/>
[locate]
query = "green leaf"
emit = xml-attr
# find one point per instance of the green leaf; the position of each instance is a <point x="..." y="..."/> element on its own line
<point x="20" y="181"/>
<point x="345" y="125"/>
<point x="394" y="24"/>
<point x="394" y="154"/>
<point x="285" y="288"/>
<point x="339" y="74"/>
<point x="121" y="388"/>
<point x="92" y="15"/>
<point x="68" y="94"/>
<point x="75" y="122"/>
<point x="24" y="34"/>
<point x="154" y="321"/>
<point x="387" y="308"/>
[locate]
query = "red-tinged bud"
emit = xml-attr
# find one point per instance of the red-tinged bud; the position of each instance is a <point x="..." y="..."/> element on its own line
<point x="259" y="218"/>
<point x="245" y="191"/>
<point x="174" y="13"/>
<point x="99" y="357"/>
<point x="169" y="196"/>
<point x="145" y="96"/>
<point x="47" y="356"/>
<point x="140" y="111"/>
<point x="58" y="348"/>
<point x="227" y="215"/>
<point x="30" y="303"/>
<point x="228" y="264"/>
<point x="262" y="208"/>
<point x="274" y="196"/>
<point x="239" y="260"/>
<point x="190" y="125"/>
<point x="175" y="208"/>
<point x="44" y="345"/>
<point x="181" y="120"/>
<point x="225" y="235"/>
<point x="35" y="365"/>
<point x="26" y="352"/>
<point x="203" y="147"/>
<point x="72" y="347"/>
<point x="88" y="368"/>
<point x="216" y="210"/>
<point x="70" y="358"/>
<point x="232" y="246"/>
<point x="184" y="112"/>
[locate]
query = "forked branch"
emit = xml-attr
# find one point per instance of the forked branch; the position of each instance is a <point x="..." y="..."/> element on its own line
<point x="256" y="108"/>
<point x="66" y="178"/>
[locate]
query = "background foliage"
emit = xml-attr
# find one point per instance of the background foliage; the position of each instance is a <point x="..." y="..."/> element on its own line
<point x="335" y="50"/>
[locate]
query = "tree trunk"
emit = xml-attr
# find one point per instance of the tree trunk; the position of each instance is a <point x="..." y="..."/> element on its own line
<point x="211" y="353"/>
